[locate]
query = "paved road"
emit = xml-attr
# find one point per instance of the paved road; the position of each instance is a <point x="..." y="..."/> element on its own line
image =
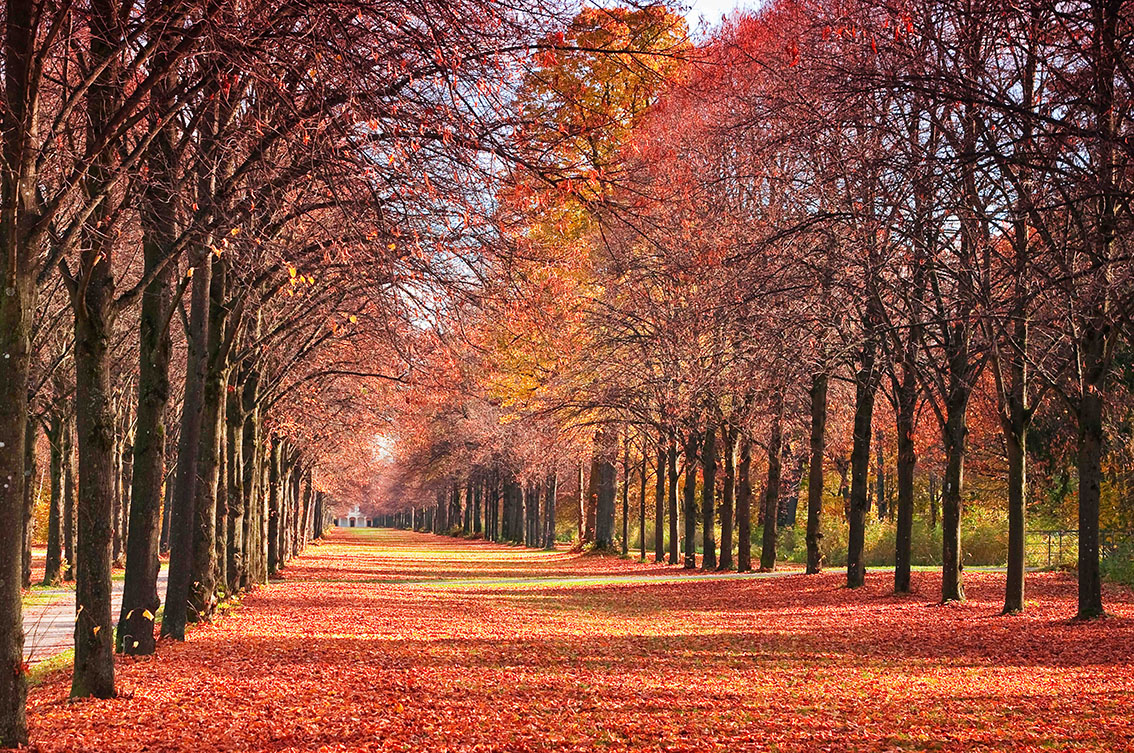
<point x="50" y="628"/>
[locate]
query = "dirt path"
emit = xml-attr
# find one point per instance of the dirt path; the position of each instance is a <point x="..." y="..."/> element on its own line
<point x="394" y="641"/>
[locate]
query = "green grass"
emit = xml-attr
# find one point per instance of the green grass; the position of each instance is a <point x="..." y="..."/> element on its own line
<point x="40" y="596"/>
<point x="40" y="673"/>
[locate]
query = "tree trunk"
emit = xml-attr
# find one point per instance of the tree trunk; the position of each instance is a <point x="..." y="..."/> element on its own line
<point x="1090" y="452"/>
<point x="1016" y="441"/>
<point x="127" y="492"/>
<point x="220" y="537"/>
<point x="956" y="429"/>
<point x="859" y="502"/>
<point x="183" y="517"/>
<point x="659" y="504"/>
<point x="275" y="492"/>
<point x="478" y="504"/>
<point x="642" y="504"/>
<point x="202" y="591"/>
<point x="879" y="475"/>
<point x="550" y="490"/>
<point x="772" y="490"/>
<point x="53" y="567"/>
<point x="672" y="460"/>
<point x="689" y="499"/>
<point x="466" y="525"/>
<point x="582" y="506"/>
<point x="116" y="528"/>
<point x="728" y="434"/>
<point x="818" y="447"/>
<point x="708" y="500"/>
<point x="234" y="497"/>
<point x="94" y="630"/>
<point x="744" y="506"/>
<point x="907" y="464"/>
<point x="252" y="452"/>
<point x="605" y="488"/>
<point x="139" y="591"/>
<point x="19" y="130"/>
<point x="27" y="524"/>
<point x="69" y="497"/>
<point x="626" y="494"/>
<point x="17" y="307"/>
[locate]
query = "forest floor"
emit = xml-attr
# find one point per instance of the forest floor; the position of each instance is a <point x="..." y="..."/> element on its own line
<point x="392" y="641"/>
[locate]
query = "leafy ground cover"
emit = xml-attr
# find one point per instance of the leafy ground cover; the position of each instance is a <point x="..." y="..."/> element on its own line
<point x="354" y="649"/>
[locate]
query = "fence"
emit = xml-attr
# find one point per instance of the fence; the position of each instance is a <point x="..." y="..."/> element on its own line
<point x="1061" y="547"/>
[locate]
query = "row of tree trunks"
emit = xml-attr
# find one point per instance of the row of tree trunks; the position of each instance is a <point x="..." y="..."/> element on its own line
<point x="495" y="503"/>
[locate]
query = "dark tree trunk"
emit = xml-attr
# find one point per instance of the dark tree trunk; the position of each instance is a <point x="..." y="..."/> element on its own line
<point x="14" y="316"/>
<point x="27" y="524"/>
<point x="94" y="307"/>
<point x="220" y="541"/>
<point x="605" y="488"/>
<point x="582" y="532"/>
<point x="143" y="541"/>
<point x="955" y="433"/>
<point x="592" y="495"/>
<point x="183" y="515"/>
<point x="772" y="491"/>
<point x="466" y="522"/>
<point x="879" y="475"/>
<point x="708" y="499"/>
<point x="626" y="495"/>
<point x="689" y="499"/>
<point x="517" y="512"/>
<point x="252" y="491"/>
<point x="69" y="497"/>
<point x="235" y="556"/>
<point x="127" y="493"/>
<point x="166" y="513"/>
<point x="53" y="567"/>
<point x="1016" y="440"/>
<point x="478" y="504"/>
<point x="818" y="448"/>
<point x="934" y="501"/>
<point x="672" y="461"/>
<point x="642" y="504"/>
<point x="744" y="506"/>
<point x="94" y="630"/>
<point x="1090" y="452"/>
<point x="117" y="529"/>
<point x="442" y="506"/>
<point x="139" y="593"/>
<point x="19" y="129"/>
<point x="275" y="491"/>
<point x="659" y="503"/>
<point x="16" y="311"/>
<point x="550" y="490"/>
<point x="529" y="504"/>
<point x="202" y="591"/>
<point x="728" y="434"/>
<point x="907" y="464"/>
<point x="859" y="502"/>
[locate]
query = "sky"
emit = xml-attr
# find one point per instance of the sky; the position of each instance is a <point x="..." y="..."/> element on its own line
<point x="712" y="10"/>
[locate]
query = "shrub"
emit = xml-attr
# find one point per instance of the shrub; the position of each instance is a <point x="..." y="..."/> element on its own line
<point x="1118" y="564"/>
<point x="984" y="540"/>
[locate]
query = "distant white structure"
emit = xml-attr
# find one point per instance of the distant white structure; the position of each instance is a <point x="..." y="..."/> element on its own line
<point x="354" y="519"/>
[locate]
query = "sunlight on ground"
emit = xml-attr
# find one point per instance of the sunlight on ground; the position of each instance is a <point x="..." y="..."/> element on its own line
<point x="342" y="654"/>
